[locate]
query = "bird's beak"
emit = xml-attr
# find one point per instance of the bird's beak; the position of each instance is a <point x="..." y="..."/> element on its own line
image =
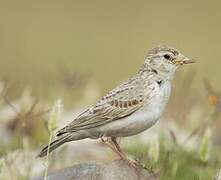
<point x="188" y="61"/>
<point x="183" y="60"/>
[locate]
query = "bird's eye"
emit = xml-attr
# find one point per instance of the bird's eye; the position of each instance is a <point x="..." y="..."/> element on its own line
<point x="167" y="56"/>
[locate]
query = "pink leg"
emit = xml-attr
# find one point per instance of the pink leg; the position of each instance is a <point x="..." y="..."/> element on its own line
<point x="112" y="143"/>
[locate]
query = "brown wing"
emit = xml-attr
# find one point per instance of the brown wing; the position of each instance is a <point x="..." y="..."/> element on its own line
<point x="118" y="103"/>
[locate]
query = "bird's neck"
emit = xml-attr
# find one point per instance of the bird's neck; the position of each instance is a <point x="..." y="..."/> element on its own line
<point x="156" y="72"/>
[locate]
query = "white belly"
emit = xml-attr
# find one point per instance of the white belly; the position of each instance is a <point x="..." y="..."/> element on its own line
<point x="142" y="119"/>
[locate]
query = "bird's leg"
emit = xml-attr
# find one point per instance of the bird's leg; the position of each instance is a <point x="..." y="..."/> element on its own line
<point x="112" y="143"/>
<point x="133" y="163"/>
<point x="108" y="143"/>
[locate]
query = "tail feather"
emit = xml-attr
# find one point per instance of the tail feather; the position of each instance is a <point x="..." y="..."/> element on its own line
<point x="66" y="137"/>
<point x="61" y="132"/>
<point x="55" y="144"/>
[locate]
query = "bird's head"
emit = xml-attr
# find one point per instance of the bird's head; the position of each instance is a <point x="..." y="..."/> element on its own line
<point x="165" y="60"/>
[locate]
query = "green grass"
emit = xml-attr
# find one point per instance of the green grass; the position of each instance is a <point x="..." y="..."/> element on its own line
<point x="177" y="163"/>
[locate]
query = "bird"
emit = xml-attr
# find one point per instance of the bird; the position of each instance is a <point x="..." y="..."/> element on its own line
<point x="129" y="109"/>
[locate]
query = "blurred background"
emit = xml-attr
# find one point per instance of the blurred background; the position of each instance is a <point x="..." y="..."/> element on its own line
<point x="78" y="50"/>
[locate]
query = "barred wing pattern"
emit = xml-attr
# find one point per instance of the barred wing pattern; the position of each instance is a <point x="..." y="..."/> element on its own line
<point x="118" y="103"/>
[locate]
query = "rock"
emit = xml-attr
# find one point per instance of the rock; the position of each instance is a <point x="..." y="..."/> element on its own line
<point x="116" y="170"/>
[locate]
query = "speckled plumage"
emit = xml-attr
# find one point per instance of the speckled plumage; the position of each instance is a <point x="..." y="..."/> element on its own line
<point x="131" y="107"/>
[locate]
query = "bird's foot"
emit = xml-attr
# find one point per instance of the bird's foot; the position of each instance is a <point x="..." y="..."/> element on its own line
<point x="132" y="162"/>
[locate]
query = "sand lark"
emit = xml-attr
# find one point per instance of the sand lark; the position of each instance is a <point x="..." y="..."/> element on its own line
<point x="130" y="108"/>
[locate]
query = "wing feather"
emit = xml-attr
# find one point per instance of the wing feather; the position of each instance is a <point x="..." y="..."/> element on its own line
<point x="118" y="103"/>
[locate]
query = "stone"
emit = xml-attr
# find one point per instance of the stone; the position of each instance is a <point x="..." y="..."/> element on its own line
<point x="116" y="170"/>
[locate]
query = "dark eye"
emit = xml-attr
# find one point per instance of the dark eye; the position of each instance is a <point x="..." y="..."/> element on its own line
<point x="167" y="56"/>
